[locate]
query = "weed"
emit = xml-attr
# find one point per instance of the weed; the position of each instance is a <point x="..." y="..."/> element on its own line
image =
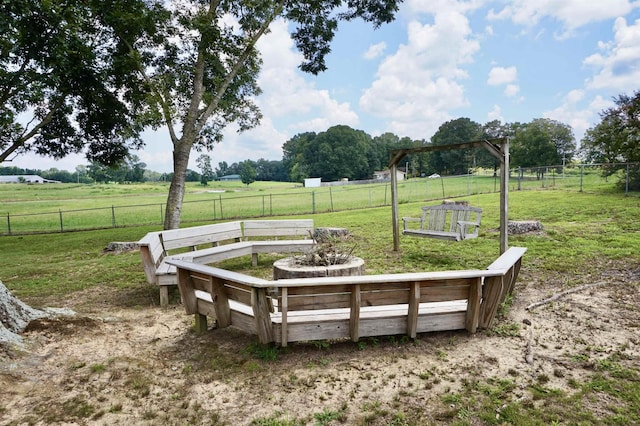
<point x="97" y="368"/>
<point x="321" y="344"/>
<point x="268" y="352"/>
<point x="327" y="416"/>
<point x="510" y="329"/>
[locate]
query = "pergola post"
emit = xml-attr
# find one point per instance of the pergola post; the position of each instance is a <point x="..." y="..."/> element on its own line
<point x="504" y="196"/>
<point x="394" y="206"/>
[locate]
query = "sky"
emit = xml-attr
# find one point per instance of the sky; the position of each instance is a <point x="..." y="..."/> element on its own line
<point x="440" y="60"/>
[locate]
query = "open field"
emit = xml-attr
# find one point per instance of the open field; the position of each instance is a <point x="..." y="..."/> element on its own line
<point x="27" y="209"/>
<point x="124" y="360"/>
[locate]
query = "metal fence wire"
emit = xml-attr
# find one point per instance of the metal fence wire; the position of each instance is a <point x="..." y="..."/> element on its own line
<point x="329" y="198"/>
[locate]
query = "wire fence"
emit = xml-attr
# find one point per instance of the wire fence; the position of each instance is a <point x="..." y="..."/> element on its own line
<point x="305" y="201"/>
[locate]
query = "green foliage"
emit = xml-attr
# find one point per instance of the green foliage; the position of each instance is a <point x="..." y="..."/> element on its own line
<point x="542" y="142"/>
<point x="247" y="173"/>
<point x="616" y="138"/>
<point x="71" y="81"/>
<point x="454" y="162"/>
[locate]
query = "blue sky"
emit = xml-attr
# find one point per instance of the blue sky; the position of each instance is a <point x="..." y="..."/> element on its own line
<point x="440" y="60"/>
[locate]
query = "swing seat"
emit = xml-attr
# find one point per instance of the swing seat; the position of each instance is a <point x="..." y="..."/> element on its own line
<point x="451" y="222"/>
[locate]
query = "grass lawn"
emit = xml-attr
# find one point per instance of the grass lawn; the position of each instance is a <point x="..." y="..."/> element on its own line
<point x="585" y="235"/>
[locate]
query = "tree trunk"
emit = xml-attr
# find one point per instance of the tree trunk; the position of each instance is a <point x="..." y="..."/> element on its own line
<point x="176" y="191"/>
<point x="14" y="316"/>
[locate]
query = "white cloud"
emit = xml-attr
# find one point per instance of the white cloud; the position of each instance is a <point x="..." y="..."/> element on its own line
<point x="418" y="85"/>
<point x="572" y="14"/>
<point x="375" y="50"/>
<point x="618" y="62"/>
<point x="502" y="75"/>
<point x="511" y="90"/>
<point x="434" y="7"/>
<point x="495" y="114"/>
<point x="580" y="117"/>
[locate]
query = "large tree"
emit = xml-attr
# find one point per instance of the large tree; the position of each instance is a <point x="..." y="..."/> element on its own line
<point x="542" y="142"/>
<point x="452" y="132"/>
<point x="201" y="64"/>
<point x="63" y="82"/>
<point x="616" y="139"/>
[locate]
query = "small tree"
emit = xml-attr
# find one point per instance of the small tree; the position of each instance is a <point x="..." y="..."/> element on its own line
<point x="248" y="173"/>
<point x="206" y="172"/>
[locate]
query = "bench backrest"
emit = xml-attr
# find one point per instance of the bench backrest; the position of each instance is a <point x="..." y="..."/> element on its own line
<point x="152" y="254"/>
<point x="278" y="228"/>
<point x="445" y="217"/>
<point x="199" y="235"/>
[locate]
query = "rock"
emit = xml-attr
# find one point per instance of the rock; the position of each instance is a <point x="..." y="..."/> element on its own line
<point x="328" y="234"/>
<point x="523" y="227"/>
<point x="120" y="247"/>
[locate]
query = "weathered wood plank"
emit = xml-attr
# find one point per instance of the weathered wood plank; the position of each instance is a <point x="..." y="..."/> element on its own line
<point x="187" y="292"/>
<point x="284" y="309"/>
<point x="491" y="293"/>
<point x="261" y="314"/>
<point x="219" y="295"/>
<point x="473" y="306"/>
<point x="354" y="315"/>
<point x="414" y="305"/>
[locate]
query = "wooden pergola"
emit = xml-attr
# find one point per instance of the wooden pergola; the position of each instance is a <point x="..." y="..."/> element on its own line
<point x="498" y="147"/>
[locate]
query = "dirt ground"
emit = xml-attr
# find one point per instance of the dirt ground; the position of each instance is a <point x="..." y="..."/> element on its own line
<point x="124" y="360"/>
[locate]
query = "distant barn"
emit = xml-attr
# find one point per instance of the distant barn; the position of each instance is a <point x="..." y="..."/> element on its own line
<point x="26" y="179"/>
<point x="230" y="177"/>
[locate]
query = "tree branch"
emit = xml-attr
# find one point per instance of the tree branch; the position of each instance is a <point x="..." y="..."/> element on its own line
<point x="202" y="120"/>
<point x="557" y="296"/>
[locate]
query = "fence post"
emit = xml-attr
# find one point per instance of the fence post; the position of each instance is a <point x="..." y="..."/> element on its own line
<point x="113" y="217"/>
<point x="547" y="176"/>
<point x="331" y="198"/>
<point x="313" y="202"/>
<point x="221" y="215"/>
<point x="214" y="209"/>
<point x="626" y="189"/>
<point x="519" y="178"/>
<point x="8" y="224"/>
<point x="61" y="227"/>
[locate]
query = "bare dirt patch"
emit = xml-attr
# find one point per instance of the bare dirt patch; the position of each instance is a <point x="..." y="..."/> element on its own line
<point x="124" y="360"/>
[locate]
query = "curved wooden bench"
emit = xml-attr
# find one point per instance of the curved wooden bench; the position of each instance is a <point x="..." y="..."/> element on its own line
<point x="218" y="242"/>
<point x="347" y="307"/>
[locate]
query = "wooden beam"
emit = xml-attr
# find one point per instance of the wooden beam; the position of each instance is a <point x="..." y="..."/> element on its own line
<point x="261" y="315"/>
<point x="221" y="302"/>
<point x="284" y="309"/>
<point x="473" y="305"/>
<point x="394" y="207"/>
<point x="504" y="197"/>
<point x="414" y="306"/>
<point x="354" y="315"/>
<point x="396" y="155"/>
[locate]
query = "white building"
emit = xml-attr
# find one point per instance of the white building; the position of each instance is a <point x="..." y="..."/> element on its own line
<point x="25" y="179"/>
